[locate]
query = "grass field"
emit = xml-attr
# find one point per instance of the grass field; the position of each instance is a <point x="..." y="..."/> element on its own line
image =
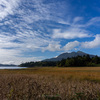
<point x="50" y="84"/>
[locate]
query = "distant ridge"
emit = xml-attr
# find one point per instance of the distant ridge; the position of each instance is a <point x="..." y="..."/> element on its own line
<point x="7" y="65"/>
<point x="68" y="55"/>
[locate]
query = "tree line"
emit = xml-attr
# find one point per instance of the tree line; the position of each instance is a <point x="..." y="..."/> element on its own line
<point x="78" y="61"/>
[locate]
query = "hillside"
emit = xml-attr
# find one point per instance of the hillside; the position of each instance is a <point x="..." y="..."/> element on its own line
<point x="68" y="55"/>
<point x="1" y="65"/>
<point x="67" y="60"/>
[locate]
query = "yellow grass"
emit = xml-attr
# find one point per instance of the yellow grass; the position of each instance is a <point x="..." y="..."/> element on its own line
<point x="50" y="83"/>
<point x="92" y="73"/>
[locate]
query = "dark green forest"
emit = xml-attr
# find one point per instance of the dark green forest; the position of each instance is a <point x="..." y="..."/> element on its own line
<point x="79" y="61"/>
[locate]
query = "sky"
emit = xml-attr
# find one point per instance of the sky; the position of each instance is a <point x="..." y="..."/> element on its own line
<point x="33" y="30"/>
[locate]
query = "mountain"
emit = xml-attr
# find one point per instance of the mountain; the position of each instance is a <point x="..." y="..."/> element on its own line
<point x="68" y="55"/>
<point x="7" y="65"/>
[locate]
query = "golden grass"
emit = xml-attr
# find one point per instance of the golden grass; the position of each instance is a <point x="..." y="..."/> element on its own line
<point x="74" y="72"/>
<point x="50" y="83"/>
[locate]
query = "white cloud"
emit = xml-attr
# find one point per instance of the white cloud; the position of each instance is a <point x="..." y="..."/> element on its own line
<point x="57" y="47"/>
<point x="7" y="7"/>
<point x="76" y="29"/>
<point x="13" y="56"/>
<point x="71" y="33"/>
<point x="71" y="45"/>
<point x="52" y="47"/>
<point x="36" y="10"/>
<point x="27" y="31"/>
<point x="10" y="50"/>
<point x="92" y="44"/>
<point x="28" y="40"/>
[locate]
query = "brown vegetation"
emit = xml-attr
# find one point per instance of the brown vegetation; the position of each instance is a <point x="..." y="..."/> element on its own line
<point x="50" y="84"/>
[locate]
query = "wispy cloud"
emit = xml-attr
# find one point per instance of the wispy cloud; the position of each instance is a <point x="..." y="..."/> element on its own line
<point x="71" y="33"/>
<point x="7" y="7"/>
<point x="36" y="10"/>
<point x="77" y="20"/>
<point x="13" y="57"/>
<point x="37" y="25"/>
<point x="94" y="21"/>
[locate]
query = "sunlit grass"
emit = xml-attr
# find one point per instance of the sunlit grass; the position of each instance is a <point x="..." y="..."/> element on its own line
<point x="50" y="83"/>
<point x="74" y="72"/>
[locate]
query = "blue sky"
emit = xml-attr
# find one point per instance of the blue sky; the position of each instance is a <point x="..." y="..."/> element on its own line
<point x="32" y="30"/>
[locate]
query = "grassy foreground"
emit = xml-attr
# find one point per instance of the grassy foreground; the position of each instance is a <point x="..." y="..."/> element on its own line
<point x="50" y="84"/>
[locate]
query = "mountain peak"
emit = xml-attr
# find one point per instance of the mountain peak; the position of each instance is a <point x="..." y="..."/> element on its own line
<point x="68" y="55"/>
<point x="80" y="52"/>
